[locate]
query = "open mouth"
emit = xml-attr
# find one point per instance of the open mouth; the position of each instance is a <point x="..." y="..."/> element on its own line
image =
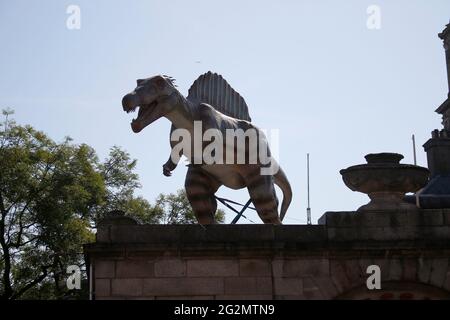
<point x="145" y="113"/>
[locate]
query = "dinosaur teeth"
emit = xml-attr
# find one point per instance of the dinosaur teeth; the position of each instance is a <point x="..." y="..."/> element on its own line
<point x="132" y="110"/>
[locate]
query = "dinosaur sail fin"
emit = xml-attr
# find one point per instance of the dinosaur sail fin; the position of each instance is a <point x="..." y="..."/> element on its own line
<point x="213" y="89"/>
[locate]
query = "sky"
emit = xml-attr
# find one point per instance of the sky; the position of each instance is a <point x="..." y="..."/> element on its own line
<point x="334" y="88"/>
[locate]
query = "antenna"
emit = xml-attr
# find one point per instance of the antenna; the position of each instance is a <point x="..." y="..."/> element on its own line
<point x="308" y="210"/>
<point x="414" y="149"/>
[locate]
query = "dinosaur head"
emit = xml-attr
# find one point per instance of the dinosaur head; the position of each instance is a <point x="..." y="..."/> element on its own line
<point x="150" y="97"/>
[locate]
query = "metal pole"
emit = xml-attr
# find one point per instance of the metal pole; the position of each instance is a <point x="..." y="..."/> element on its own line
<point x="414" y="149"/>
<point x="241" y="212"/>
<point x="308" y="210"/>
<point x="91" y="291"/>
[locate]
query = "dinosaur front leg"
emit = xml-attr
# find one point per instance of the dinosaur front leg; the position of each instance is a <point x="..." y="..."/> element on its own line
<point x="170" y="165"/>
<point x="262" y="193"/>
<point x="200" y="190"/>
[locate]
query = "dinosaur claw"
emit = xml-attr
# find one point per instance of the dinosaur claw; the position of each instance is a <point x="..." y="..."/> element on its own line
<point x="166" y="172"/>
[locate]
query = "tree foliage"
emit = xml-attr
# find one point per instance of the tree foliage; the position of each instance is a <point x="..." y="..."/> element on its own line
<point x="46" y="193"/>
<point x="176" y="209"/>
<point x="51" y="197"/>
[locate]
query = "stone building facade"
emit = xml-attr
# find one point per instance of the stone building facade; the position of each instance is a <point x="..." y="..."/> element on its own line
<point x="325" y="261"/>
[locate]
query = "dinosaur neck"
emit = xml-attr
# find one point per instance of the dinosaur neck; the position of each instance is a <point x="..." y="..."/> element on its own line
<point x="181" y="116"/>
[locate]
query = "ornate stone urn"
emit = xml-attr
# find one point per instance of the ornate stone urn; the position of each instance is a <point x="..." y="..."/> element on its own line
<point x="385" y="181"/>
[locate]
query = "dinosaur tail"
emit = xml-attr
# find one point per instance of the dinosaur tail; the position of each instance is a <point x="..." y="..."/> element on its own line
<point x="282" y="182"/>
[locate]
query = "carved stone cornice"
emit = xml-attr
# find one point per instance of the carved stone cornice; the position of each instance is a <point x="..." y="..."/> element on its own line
<point x="445" y="36"/>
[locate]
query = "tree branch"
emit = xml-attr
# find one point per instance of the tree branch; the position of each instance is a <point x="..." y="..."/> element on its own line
<point x="31" y="283"/>
<point x="6" y="254"/>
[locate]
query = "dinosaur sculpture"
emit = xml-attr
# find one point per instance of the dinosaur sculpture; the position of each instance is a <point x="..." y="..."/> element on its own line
<point x="212" y="102"/>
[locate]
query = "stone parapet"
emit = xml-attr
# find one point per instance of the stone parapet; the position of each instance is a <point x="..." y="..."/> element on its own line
<point x="325" y="261"/>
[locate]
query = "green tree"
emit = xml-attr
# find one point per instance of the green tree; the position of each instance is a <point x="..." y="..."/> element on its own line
<point x="52" y="196"/>
<point x="121" y="183"/>
<point x="176" y="209"/>
<point x="47" y="191"/>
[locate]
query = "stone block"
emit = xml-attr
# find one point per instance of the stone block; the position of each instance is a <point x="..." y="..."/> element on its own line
<point x="339" y="276"/>
<point x="372" y="219"/>
<point x="414" y="218"/>
<point x="125" y="234"/>
<point x="339" y="219"/>
<point x="124" y="298"/>
<point x="428" y="217"/>
<point x="254" y="268"/>
<point x="290" y="297"/>
<point x="384" y="265"/>
<point x="371" y="233"/>
<point x="277" y="267"/>
<point x="183" y="286"/>
<point x="434" y="218"/>
<point x="436" y="232"/>
<point x="310" y="289"/>
<point x="102" y="288"/>
<point x="185" y="298"/>
<point x="111" y="298"/>
<point x="170" y="268"/>
<point x="364" y="263"/>
<point x="326" y="287"/>
<point x="390" y="233"/>
<point x="322" y="221"/>
<point x="102" y="234"/>
<point x="288" y="286"/>
<point x="353" y="271"/>
<point x="387" y="233"/>
<point x="127" y="287"/>
<point x="424" y="270"/>
<point x="411" y="233"/>
<point x="342" y="234"/>
<point x="446" y="284"/>
<point x="446" y="216"/>
<point x="104" y="268"/>
<point x="306" y="267"/>
<point x="300" y="233"/>
<point x="237" y="233"/>
<point x="245" y="297"/>
<point x="248" y="285"/>
<point x="409" y="269"/>
<point x="139" y="268"/>
<point x="395" y="270"/>
<point x="147" y="233"/>
<point x="212" y="268"/>
<point x="439" y="268"/>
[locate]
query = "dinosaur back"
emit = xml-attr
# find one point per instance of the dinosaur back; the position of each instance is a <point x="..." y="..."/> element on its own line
<point x="213" y="89"/>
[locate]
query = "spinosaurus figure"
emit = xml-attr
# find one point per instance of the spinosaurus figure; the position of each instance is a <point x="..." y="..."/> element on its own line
<point x="212" y="101"/>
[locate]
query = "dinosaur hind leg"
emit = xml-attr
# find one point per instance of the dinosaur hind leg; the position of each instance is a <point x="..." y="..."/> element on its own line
<point x="200" y="190"/>
<point x="264" y="198"/>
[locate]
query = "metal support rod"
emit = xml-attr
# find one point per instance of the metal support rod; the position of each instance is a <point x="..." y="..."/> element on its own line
<point x="91" y="289"/>
<point x="241" y="212"/>
<point x="414" y="149"/>
<point x="224" y="201"/>
<point x="308" y="210"/>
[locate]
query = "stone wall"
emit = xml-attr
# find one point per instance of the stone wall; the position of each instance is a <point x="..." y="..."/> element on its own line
<point x="325" y="261"/>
